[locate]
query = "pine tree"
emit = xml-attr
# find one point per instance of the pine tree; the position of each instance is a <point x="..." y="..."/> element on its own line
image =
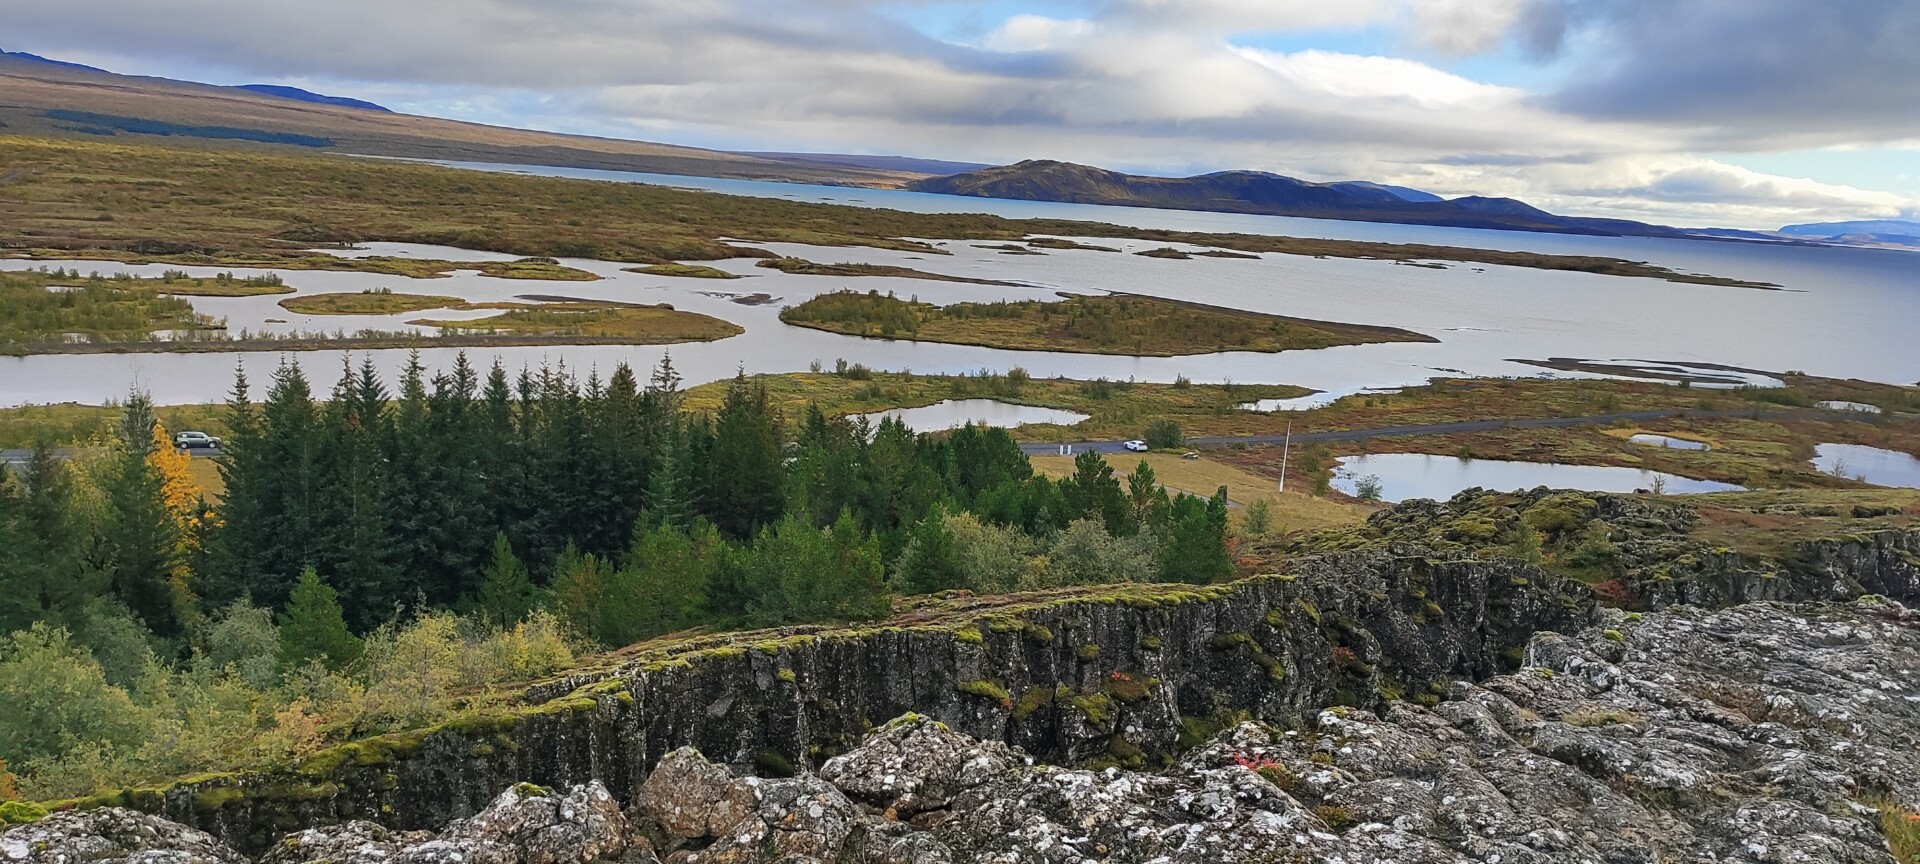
<point x="49" y="581"/>
<point x="1196" y="543"/>
<point x="745" y="488"/>
<point x="313" y="628"/>
<point x="140" y="539"/>
<point x="930" y="562"/>
<point x="353" y="506"/>
<point x="506" y="593"/>
<point x="1142" y="489"/>
<point x="273" y="493"/>
<point x="1093" y="492"/>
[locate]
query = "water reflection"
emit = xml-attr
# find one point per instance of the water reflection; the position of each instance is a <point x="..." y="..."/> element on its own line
<point x="1404" y="476"/>
<point x="1669" y="442"/>
<point x="1869" y="464"/>
<point x="954" y="413"/>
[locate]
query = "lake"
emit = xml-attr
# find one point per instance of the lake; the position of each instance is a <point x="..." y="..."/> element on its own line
<point x="1871" y="464"/>
<point x="1669" y="442"/>
<point x="1849" y="314"/>
<point x="1405" y="476"/>
<point x="959" y="412"/>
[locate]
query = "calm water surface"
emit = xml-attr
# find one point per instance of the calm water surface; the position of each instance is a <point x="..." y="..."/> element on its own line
<point x="1669" y="442"/>
<point x="954" y="413"/>
<point x="1872" y="464"/>
<point x="1404" y="476"/>
<point x="1850" y="313"/>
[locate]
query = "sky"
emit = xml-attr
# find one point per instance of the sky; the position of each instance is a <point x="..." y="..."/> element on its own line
<point x="1737" y="113"/>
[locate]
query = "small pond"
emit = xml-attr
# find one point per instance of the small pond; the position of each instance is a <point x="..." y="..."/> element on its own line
<point x="1871" y="464"/>
<point x="954" y="413"/>
<point x="1404" y="476"/>
<point x="1669" y="442"/>
<point x="1842" y="405"/>
<point x="1313" y="400"/>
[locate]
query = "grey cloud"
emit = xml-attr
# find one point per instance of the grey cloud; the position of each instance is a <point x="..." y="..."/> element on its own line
<point x="1838" y="70"/>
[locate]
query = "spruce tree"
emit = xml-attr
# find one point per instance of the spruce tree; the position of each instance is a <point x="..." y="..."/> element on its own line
<point x="1196" y="543"/>
<point x="930" y="562"/>
<point x="353" y="513"/>
<point x="140" y="540"/>
<point x="746" y="484"/>
<point x="313" y="628"/>
<point x="506" y="593"/>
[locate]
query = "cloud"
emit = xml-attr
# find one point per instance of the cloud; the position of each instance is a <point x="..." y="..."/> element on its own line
<point x="1167" y="85"/>
<point x="1821" y="72"/>
<point x="1462" y="27"/>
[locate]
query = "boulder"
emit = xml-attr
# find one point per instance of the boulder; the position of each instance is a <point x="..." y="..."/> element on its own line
<point x="110" y="835"/>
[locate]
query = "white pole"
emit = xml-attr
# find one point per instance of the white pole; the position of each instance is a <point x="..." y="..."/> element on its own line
<point x="1286" y="449"/>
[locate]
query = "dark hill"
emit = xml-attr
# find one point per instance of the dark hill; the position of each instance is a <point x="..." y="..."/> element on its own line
<point x="1259" y="192"/>
<point x="300" y="95"/>
<point x="24" y="57"/>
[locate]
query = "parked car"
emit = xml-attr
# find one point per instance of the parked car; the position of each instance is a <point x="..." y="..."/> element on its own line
<point x="194" y="440"/>
<point x="1190" y="455"/>
<point x="1137" y="446"/>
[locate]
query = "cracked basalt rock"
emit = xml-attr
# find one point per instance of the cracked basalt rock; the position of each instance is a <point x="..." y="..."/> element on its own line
<point x="524" y="825"/>
<point x="112" y="836"/>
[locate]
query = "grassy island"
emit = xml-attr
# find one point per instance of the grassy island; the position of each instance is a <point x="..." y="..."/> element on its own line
<point x="684" y="271"/>
<point x="62" y="312"/>
<point x="1117" y="324"/>
<point x="378" y="301"/>
<point x="629" y="324"/>
<point x="178" y="283"/>
<point x="62" y="306"/>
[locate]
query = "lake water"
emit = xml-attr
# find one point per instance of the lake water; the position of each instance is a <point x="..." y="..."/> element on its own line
<point x="1405" y="476"/>
<point x="1669" y="442"/>
<point x="954" y="413"/>
<point x="1313" y="400"/>
<point x="1872" y="464"/>
<point x="1850" y="313"/>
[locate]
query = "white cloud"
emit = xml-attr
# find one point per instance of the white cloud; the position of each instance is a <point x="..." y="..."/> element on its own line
<point x="1382" y="79"/>
<point x="1037" y="33"/>
<point x="1174" y="85"/>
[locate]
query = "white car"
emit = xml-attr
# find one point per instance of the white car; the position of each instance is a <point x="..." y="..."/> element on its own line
<point x="192" y="440"/>
<point x="1136" y="446"/>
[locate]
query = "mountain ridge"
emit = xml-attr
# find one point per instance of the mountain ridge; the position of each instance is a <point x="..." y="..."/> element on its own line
<point x="1269" y="194"/>
<point x="299" y="95"/>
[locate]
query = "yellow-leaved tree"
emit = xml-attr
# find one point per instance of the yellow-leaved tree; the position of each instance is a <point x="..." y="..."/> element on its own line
<point x="181" y="495"/>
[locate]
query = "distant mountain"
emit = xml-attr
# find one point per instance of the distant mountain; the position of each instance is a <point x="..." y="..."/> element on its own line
<point x="300" y="95"/>
<point x="1404" y="193"/>
<point x="1269" y="194"/>
<point x="35" y="58"/>
<point x="1895" y="227"/>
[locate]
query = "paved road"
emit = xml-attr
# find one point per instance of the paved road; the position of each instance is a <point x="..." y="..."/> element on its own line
<point x="1042" y="449"/>
<point x="22" y="457"/>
